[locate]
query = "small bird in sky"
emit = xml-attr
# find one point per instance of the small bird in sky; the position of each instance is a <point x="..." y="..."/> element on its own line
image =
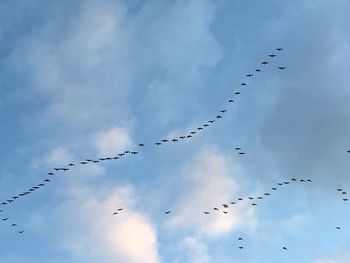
<point x="264" y="62"/>
<point x="243" y="84"/>
<point x="285" y="248"/>
<point x="258" y="70"/>
<point x="272" y="55"/>
<point x="282" y="68"/>
<point x="141" y="145"/>
<point x="167" y="212"/>
<point x="249" y="75"/>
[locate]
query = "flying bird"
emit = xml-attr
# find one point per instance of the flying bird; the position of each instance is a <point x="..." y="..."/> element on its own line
<point x="279" y="49"/>
<point x="225" y="212"/>
<point x="249" y="75"/>
<point x="240" y="247"/>
<point x="206" y="125"/>
<point x="167" y="212"/>
<point x="134" y="152"/>
<point x="282" y="68"/>
<point x="230" y="101"/>
<point x="240" y="238"/>
<point x="215" y="208"/>
<point x="285" y="248"/>
<point x="243" y="84"/>
<point x="157" y="143"/>
<point x="47" y="180"/>
<point x="14" y="225"/>
<point x="193" y="132"/>
<point x="21" y="232"/>
<point x="238" y="149"/>
<point x="50" y="173"/>
<point x="241" y="153"/>
<point x="219" y="117"/>
<point x="254" y="204"/>
<point x="272" y="55"/>
<point x="207" y="213"/>
<point x="264" y="62"/>
<point x="293" y="179"/>
<point x="225" y="205"/>
<point x="258" y="70"/>
<point x="339" y="189"/>
<point x="237" y="93"/>
<point x="164" y="140"/>
<point x="260" y="198"/>
<point x="338" y="227"/>
<point x="250" y="198"/>
<point x="266" y="194"/>
<point x="120" y="209"/>
<point x="174" y="140"/>
<point x="189" y="136"/>
<point x="240" y="199"/>
<point x="199" y="128"/>
<point x="65" y="169"/>
<point x="274" y="188"/>
<point x="223" y="111"/>
<point x="83" y="162"/>
<point x="182" y="137"/>
<point x="141" y="145"/>
<point x="5" y="219"/>
<point x="71" y="164"/>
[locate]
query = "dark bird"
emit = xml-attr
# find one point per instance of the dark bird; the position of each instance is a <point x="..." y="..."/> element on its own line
<point x="189" y="136"/>
<point x="5" y="219"/>
<point x="344" y="193"/>
<point x="338" y="227"/>
<point x="158" y="143"/>
<point x="274" y="188"/>
<point x="249" y="75"/>
<point x="83" y="162"/>
<point x="40" y="184"/>
<point x="225" y="212"/>
<point x="215" y="208"/>
<point x="134" y="152"/>
<point x="310" y="181"/>
<point x="250" y="198"/>
<point x="108" y="158"/>
<point x="56" y="169"/>
<point x="264" y="62"/>
<point x="254" y="204"/>
<point x="266" y="194"/>
<point x="223" y="111"/>
<point x="71" y="164"/>
<point x="126" y="152"/>
<point x="348" y="151"/>
<point x="284" y="248"/>
<point x="237" y="93"/>
<point x="115" y="213"/>
<point x="88" y="160"/>
<point x="339" y="189"/>
<point x="240" y="238"/>
<point x="238" y="149"/>
<point x="65" y="169"/>
<point x="230" y="101"/>
<point x="120" y="154"/>
<point x="345" y="199"/>
<point x="21" y="232"/>
<point x="302" y="180"/>
<point x="182" y="137"/>
<point x="212" y="121"/>
<point x="14" y="225"/>
<point x="280" y="184"/>
<point x="9" y="200"/>
<point x="272" y="55"/>
<point x="4" y="203"/>
<point x="164" y="140"/>
<point x="47" y="180"/>
<point x="14" y="197"/>
<point x="282" y="68"/>
<point x="293" y="179"/>
<point x="233" y="203"/>
<point x="258" y="70"/>
<point x="241" y="153"/>
<point x="50" y="173"/>
<point x="260" y="198"/>
<point x="199" y="128"/>
<point x="167" y="212"/>
<point x="174" y="140"/>
<point x="279" y="49"/>
<point x="120" y="209"/>
<point x="243" y="84"/>
<point x="240" y="199"/>
<point x="286" y="182"/>
<point x="141" y="145"/>
<point x="193" y="132"/>
<point x="114" y="158"/>
<point x="103" y="159"/>
<point x="207" y="213"/>
<point x="225" y="205"/>
<point x="206" y="125"/>
<point x="240" y="247"/>
<point x="219" y="117"/>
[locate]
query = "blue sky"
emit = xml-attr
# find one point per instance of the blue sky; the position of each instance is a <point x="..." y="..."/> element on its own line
<point x="88" y="79"/>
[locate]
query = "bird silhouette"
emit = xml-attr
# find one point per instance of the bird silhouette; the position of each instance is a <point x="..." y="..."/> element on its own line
<point x="141" y="145"/>
<point x="249" y="75"/>
<point x="282" y="68"/>
<point x="272" y="55"/>
<point x="264" y="62"/>
<point x="167" y="212"/>
<point x="243" y="84"/>
<point x="279" y="49"/>
<point x="285" y="248"/>
<point x="258" y="70"/>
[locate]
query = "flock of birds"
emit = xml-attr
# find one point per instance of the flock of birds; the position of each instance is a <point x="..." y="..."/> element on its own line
<point x="225" y="207"/>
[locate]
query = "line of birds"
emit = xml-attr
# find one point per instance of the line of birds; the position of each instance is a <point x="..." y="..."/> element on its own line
<point x="192" y="133"/>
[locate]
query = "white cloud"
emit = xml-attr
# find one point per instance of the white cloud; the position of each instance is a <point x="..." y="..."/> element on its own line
<point x="128" y="237"/>
<point x="196" y="250"/>
<point x="112" y="141"/>
<point x="209" y="184"/>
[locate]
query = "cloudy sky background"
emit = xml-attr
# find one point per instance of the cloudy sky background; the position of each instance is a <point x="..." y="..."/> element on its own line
<point x="94" y="78"/>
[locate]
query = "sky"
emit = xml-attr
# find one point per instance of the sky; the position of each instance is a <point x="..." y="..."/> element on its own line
<point x="91" y="79"/>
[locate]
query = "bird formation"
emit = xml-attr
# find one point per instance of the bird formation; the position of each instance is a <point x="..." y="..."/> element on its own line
<point x="63" y="169"/>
